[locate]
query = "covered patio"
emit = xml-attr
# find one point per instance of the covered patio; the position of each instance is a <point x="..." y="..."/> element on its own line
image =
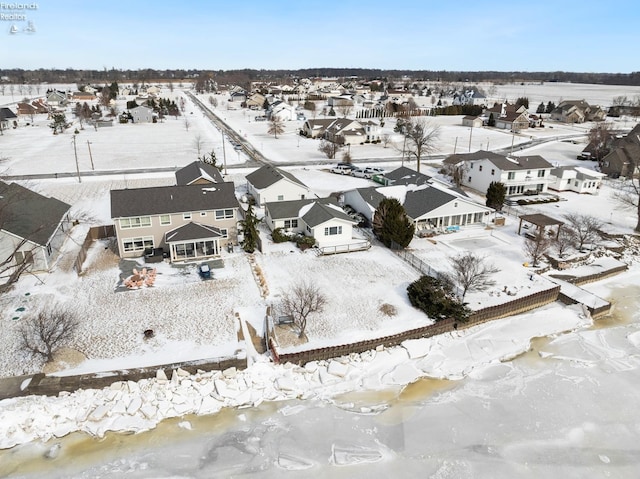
<point x="541" y="222"/>
<point x="193" y="241"/>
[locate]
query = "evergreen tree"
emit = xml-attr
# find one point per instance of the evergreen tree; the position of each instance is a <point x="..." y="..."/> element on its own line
<point x="114" y="90"/>
<point x="491" y="121"/>
<point x="250" y="230"/>
<point x="210" y="159"/>
<point x="496" y="194"/>
<point x="523" y="100"/>
<point x="550" y="107"/>
<point x="540" y="107"/>
<point x="59" y="123"/>
<point x="332" y="112"/>
<point x="435" y="297"/>
<point x="391" y="223"/>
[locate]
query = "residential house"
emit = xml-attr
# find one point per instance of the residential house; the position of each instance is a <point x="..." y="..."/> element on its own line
<point x="428" y="206"/>
<point x="345" y="132"/>
<point x="624" y="157"/>
<point x="83" y="96"/>
<point x="372" y="131"/>
<point x="56" y="98"/>
<point x="508" y="117"/>
<point x="316" y="128"/>
<point x="577" y="111"/>
<point x="577" y="179"/>
<point x="256" y="101"/>
<point x="519" y="174"/>
<point x="469" y="97"/>
<point x="282" y="111"/>
<point x="321" y="219"/>
<point x="238" y="96"/>
<point x="189" y="222"/>
<point x="268" y="184"/>
<point x="26" y="109"/>
<point x="198" y="173"/>
<point x="345" y="101"/>
<point x="7" y="118"/>
<point x="33" y="227"/>
<point x="141" y="114"/>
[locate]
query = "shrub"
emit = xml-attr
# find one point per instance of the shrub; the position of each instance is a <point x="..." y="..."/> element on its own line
<point x="303" y="242"/>
<point x="435" y="297"/>
<point x="279" y="236"/>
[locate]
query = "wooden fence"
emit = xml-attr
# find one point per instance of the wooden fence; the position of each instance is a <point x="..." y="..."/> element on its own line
<point x="516" y="306"/>
<point x="95" y="233"/>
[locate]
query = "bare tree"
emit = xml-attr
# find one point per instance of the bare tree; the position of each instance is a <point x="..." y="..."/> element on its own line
<point x="187" y="123"/>
<point x="276" y="126"/>
<point x="329" y="148"/>
<point x="345" y="110"/>
<point x="472" y="272"/>
<point x="584" y="228"/>
<point x="46" y="331"/>
<point x="421" y="139"/>
<point x="197" y="143"/>
<point x="600" y="137"/>
<point x="537" y="247"/>
<point x="212" y="101"/>
<point x="346" y="157"/>
<point x="385" y="138"/>
<point x="300" y="302"/>
<point x="563" y="242"/>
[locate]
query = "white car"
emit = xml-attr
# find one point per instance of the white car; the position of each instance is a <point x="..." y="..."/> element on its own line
<point x="341" y="170"/>
<point x="374" y="170"/>
<point x="361" y="173"/>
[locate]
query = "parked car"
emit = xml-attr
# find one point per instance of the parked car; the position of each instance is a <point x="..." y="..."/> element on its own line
<point x="342" y="169"/>
<point x="361" y="173"/>
<point x="374" y="170"/>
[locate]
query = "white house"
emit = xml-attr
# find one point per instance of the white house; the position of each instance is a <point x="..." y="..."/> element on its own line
<point x="141" y="114"/>
<point x="321" y="219"/>
<point x="268" y="184"/>
<point x="283" y="111"/>
<point x="519" y="174"/>
<point x="577" y="179"/>
<point x="33" y="228"/>
<point x="428" y="206"/>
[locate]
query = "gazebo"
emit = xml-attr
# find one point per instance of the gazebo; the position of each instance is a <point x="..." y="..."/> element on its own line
<point x="540" y="221"/>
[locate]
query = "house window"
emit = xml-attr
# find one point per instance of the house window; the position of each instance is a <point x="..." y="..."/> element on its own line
<point x="511" y="175"/>
<point x="333" y="230"/>
<point x="224" y="214"/>
<point x="290" y="224"/>
<point x="165" y="220"/>
<point x="493" y="171"/>
<point x="569" y="181"/>
<point x="576" y="184"/>
<point x="224" y="232"/>
<point x="203" y="213"/>
<point x="137" y="244"/>
<point x="471" y="166"/>
<point x="469" y="180"/>
<point x="480" y="168"/>
<point x="186" y="216"/>
<point x="308" y="229"/>
<point x="280" y="197"/>
<point x="540" y="173"/>
<point x="135" y="222"/>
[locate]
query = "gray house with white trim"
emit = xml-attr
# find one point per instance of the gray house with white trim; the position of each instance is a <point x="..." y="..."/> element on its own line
<point x="269" y="183"/>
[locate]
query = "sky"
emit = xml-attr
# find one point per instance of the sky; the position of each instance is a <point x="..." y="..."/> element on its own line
<point x="541" y="35"/>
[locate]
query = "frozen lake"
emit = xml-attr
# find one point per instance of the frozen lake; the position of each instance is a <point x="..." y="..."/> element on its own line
<point x="567" y="408"/>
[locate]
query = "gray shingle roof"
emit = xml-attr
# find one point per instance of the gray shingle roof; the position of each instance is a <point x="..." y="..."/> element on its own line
<point x="7" y="114"/>
<point x="320" y="213"/>
<point x="419" y="202"/>
<point x="171" y="199"/>
<point x="28" y="214"/>
<point x="371" y="195"/>
<point x="476" y="155"/>
<point x="407" y="176"/>
<point x="192" y="231"/>
<point x="501" y="161"/>
<point x="268" y="175"/>
<point x="291" y="209"/>
<point x="196" y="170"/>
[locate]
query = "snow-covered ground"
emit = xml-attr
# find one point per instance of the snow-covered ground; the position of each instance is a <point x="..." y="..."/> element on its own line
<point x="193" y="319"/>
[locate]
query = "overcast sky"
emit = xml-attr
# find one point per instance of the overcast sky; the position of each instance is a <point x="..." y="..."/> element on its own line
<point x="534" y="35"/>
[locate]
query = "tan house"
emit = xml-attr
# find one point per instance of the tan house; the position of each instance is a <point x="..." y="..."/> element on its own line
<point x="188" y="222"/>
<point x="577" y="111"/>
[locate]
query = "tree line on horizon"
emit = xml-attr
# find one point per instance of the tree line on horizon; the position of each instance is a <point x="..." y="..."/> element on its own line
<point x="243" y="77"/>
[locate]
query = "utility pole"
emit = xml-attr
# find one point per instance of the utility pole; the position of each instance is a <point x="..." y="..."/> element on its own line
<point x="455" y="145"/>
<point x="513" y="137"/>
<point x="90" y="155"/>
<point x="224" y="153"/>
<point x="75" y="151"/>
<point x="470" y="133"/>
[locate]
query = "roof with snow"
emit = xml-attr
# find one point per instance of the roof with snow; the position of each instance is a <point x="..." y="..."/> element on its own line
<point x="407" y="176"/>
<point x="268" y="175"/>
<point x="171" y="199"/>
<point x="28" y="214"/>
<point x="502" y="162"/>
<point x="198" y="170"/>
